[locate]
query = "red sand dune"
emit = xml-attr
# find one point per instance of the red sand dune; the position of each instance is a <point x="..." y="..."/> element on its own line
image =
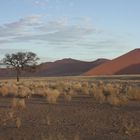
<point x="133" y="69"/>
<point x="67" y="67"/>
<point x="128" y="63"/>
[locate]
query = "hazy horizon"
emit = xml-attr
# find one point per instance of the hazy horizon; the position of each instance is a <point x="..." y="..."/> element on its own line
<point x="78" y="29"/>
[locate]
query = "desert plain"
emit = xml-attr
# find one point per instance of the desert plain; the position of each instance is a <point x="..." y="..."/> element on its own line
<point x="70" y="108"/>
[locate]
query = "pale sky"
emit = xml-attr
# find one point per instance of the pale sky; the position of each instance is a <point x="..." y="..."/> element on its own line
<point x="78" y="29"/>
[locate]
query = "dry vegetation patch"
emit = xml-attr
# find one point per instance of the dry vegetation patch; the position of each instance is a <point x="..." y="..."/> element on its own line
<point x="80" y="102"/>
<point x="105" y="92"/>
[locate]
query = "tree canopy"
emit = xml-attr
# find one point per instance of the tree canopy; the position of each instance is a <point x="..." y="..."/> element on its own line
<point x="21" y="61"/>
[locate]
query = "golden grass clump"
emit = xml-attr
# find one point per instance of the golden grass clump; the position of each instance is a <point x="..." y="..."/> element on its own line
<point x="110" y="90"/>
<point x="52" y="95"/>
<point x="14" y="102"/>
<point x="99" y="96"/>
<point x="60" y="86"/>
<point x="97" y="92"/>
<point x="18" y="122"/>
<point x="133" y="93"/>
<point x="85" y="88"/>
<point x="53" y="85"/>
<point x="48" y="120"/>
<point x="40" y="84"/>
<point x="72" y="93"/>
<point x="113" y="95"/>
<point x="108" y="93"/>
<point x="38" y="91"/>
<point x="23" y="91"/>
<point x="18" y="103"/>
<point x="77" y="87"/>
<point x="116" y="100"/>
<point x="13" y="89"/>
<point x="85" y="84"/>
<point x="11" y="114"/>
<point x="4" y="90"/>
<point x="100" y="83"/>
<point x="66" y="87"/>
<point x="21" y="103"/>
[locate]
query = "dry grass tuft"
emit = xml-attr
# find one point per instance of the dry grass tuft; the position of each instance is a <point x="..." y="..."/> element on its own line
<point x="133" y="93"/>
<point x="77" y="87"/>
<point x="52" y="95"/>
<point x="85" y="90"/>
<point x="67" y="97"/>
<point x="4" y="90"/>
<point x="72" y="93"/>
<point x="97" y="93"/>
<point x="108" y="93"/>
<point x="113" y="95"/>
<point x="18" y="122"/>
<point x="23" y="91"/>
<point x="13" y="90"/>
<point x="21" y="103"/>
<point x="38" y="91"/>
<point x="14" y="102"/>
<point x="48" y="120"/>
<point x="11" y="114"/>
<point x="115" y="100"/>
<point x="18" y="103"/>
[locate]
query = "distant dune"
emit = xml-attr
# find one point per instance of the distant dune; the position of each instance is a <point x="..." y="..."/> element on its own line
<point x="64" y="67"/>
<point x="67" y="67"/>
<point x="128" y="63"/>
<point x="132" y="69"/>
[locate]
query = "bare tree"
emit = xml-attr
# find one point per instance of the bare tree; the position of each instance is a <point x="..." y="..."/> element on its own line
<point x="21" y="61"/>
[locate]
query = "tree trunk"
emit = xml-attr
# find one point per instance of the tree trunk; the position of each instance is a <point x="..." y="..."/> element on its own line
<point x="18" y="72"/>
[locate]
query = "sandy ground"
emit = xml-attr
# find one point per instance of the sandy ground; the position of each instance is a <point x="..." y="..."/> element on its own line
<point x="80" y="119"/>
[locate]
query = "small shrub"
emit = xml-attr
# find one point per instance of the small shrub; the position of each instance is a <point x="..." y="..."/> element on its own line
<point x="97" y="92"/>
<point x="4" y="90"/>
<point x="18" y="103"/>
<point x="48" y="120"/>
<point x="113" y="95"/>
<point x="14" y="102"/>
<point x="133" y="93"/>
<point x="114" y="100"/>
<point x="77" y="87"/>
<point x="52" y="95"/>
<point x="18" y="122"/>
<point x="23" y="91"/>
<point x="85" y="90"/>
<point x="21" y="103"/>
<point x="13" y="90"/>
<point x="38" y="91"/>
<point x="11" y="114"/>
<point x="72" y="93"/>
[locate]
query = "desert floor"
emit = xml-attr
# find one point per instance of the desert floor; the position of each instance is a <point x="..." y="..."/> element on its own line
<point x="83" y="118"/>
